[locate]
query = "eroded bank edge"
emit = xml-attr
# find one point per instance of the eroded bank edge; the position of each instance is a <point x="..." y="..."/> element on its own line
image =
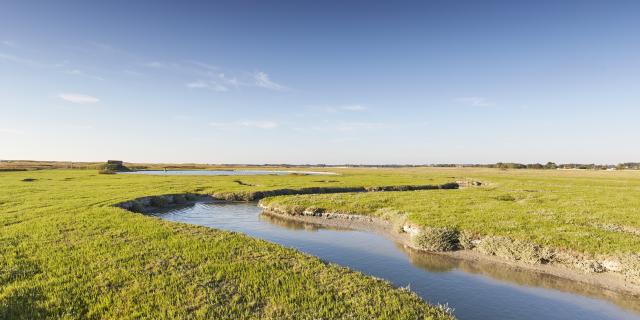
<point x="618" y="273"/>
<point x="145" y="204"/>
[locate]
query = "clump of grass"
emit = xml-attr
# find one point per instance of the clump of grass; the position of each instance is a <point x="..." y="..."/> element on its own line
<point x="514" y="250"/>
<point x="28" y="180"/>
<point x="397" y="218"/>
<point x="106" y="171"/>
<point x="467" y="240"/>
<point x="506" y="197"/>
<point x="313" y="210"/>
<point x="296" y="210"/>
<point x="436" y="239"/>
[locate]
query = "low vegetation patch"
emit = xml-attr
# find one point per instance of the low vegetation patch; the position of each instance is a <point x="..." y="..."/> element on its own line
<point x="436" y="239"/>
<point x="515" y="250"/>
<point x="587" y="220"/>
<point x="67" y="253"/>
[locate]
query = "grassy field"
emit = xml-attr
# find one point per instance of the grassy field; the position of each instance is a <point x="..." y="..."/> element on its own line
<point x="521" y="213"/>
<point x="66" y="252"/>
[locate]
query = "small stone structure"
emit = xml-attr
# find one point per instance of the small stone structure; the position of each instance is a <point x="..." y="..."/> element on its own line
<point x="113" y="166"/>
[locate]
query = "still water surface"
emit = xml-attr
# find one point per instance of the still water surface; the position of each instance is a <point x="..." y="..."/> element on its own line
<point x="475" y="290"/>
<point x="224" y="172"/>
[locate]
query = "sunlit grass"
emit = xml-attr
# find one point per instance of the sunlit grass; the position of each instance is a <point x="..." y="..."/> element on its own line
<point x="587" y="211"/>
<point x="66" y="252"/>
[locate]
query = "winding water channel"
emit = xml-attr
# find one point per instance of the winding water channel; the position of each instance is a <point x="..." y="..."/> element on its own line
<point x="475" y="290"/>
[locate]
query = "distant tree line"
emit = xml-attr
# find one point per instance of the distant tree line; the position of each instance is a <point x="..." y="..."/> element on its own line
<point x="548" y="166"/>
<point x="11" y="165"/>
<point x="499" y="165"/>
<point x="629" y="166"/>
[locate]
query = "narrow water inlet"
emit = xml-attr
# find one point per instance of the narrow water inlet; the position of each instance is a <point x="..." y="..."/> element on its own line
<point x="475" y="290"/>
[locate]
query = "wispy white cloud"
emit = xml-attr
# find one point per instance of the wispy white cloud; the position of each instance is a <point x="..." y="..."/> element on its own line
<point x="132" y="73"/>
<point x="207" y="85"/>
<point x="155" y="64"/>
<point x="185" y="68"/>
<point x="78" y="98"/>
<point x="475" y="101"/>
<point x="197" y="84"/>
<point x="340" y="108"/>
<point x="259" y="124"/>
<point x="264" y="81"/>
<point x="212" y="77"/>
<point x="203" y="65"/>
<point x="217" y="82"/>
<point x="24" y="61"/>
<point x="229" y="81"/>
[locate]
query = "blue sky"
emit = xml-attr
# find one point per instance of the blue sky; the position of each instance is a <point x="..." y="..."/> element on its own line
<point x="320" y="81"/>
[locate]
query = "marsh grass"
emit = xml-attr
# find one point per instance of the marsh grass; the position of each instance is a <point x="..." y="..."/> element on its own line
<point x="437" y="239"/>
<point x="67" y="253"/>
<point x="525" y="215"/>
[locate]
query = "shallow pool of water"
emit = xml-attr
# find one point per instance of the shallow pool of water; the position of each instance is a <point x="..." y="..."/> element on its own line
<point x="475" y="290"/>
<point x="224" y="172"/>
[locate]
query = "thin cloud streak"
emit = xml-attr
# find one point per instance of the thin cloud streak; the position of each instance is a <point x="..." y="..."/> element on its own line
<point x="264" y="81"/>
<point x="475" y="101"/>
<point x="204" y="85"/>
<point x="132" y="73"/>
<point x="23" y="61"/>
<point x="78" y="98"/>
<point x="214" y="77"/>
<point x="341" y="108"/>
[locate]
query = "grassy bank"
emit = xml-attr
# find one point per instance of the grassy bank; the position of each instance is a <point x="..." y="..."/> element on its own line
<point x="66" y="252"/>
<point x="587" y="219"/>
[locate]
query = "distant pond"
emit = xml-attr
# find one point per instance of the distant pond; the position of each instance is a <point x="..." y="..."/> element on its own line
<point x="225" y="172"/>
